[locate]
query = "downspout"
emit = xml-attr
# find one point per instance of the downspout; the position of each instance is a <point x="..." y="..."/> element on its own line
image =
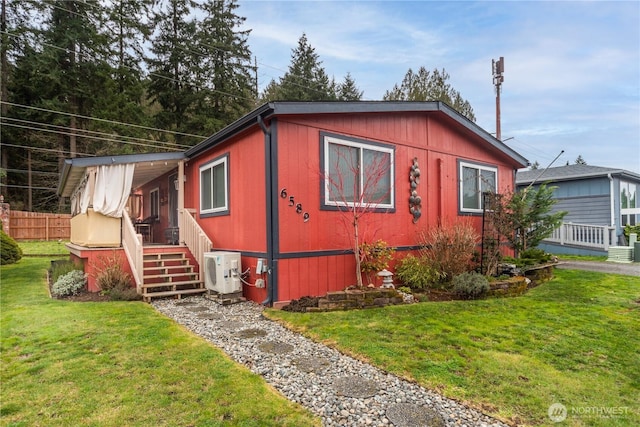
<point x="271" y="226"/>
<point x="613" y="205"/>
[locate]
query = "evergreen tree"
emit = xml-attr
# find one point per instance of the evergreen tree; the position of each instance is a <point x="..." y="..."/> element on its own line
<point x="63" y="68"/>
<point x="429" y="86"/>
<point x="225" y="81"/>
<point x="348" y="91"/>
<point x="128" y="28"/>
<point x="306" y="79"/>
<point x="580" y="160"/>
<point x="535" y="165"/>
<point x="172" y="67"/>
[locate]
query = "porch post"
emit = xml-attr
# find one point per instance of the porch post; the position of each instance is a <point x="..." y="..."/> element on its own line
<point x="180" y="197"/>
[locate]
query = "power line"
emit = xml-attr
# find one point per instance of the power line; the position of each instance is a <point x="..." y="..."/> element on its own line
<point x="34" y="172"/>
<point x="28" y="187"/>
<point x="45" y="149"/>
<point x="99" y="119"/>
<point x="95" y="132"/>
<point x="88" y="137"/>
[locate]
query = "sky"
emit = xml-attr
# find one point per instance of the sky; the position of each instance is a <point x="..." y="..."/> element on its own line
<point x="572" y="69"/>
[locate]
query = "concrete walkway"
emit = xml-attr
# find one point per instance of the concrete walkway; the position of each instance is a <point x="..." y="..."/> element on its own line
<point x="631" y="269"/>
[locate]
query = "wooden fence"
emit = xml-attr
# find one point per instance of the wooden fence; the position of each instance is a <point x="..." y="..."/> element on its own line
<point x="39" y="226"/>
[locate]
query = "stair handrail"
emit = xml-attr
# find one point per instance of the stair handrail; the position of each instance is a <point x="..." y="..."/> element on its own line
<point x="132" y="245"/>
<point x="194" y="236"/>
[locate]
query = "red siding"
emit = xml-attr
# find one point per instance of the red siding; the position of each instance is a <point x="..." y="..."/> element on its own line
<point x="436" y="142"/>
<point x="244" y="229"/>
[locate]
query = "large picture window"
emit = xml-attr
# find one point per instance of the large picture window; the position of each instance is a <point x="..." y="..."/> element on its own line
<point x="475" y="180"/>
<point x="357" y="173"/>
<point x="214" y="186"/>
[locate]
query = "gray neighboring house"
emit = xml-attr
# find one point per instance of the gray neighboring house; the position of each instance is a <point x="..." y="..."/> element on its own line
<point x="600" y="201"/>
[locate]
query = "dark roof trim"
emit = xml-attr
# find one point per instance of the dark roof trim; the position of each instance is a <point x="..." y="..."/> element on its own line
<point x="85" y="162"/>
<point x="526" y="177"/>
<point x="287" y="108"/>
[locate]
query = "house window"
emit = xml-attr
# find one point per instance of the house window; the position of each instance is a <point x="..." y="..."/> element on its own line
<point x="357" y="173"/>
<point x="154" y="203"/>
<point x="629" y="204"/>
<point x="214" y="186"/>
<point x="475" y="180"/>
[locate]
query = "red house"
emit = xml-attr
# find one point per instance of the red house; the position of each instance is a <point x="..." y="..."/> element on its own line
<point x="274" y="186"/>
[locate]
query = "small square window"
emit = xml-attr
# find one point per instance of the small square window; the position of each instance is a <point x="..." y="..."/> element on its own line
<point x="475" y="180"/>
<point x="214" y="186"/>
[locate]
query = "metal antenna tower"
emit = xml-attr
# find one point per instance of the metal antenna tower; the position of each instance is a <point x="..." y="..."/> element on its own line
<point x="497" y="68"/>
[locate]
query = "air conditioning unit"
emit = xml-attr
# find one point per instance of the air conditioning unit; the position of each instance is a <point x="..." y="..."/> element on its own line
<point x="222" y="272"/>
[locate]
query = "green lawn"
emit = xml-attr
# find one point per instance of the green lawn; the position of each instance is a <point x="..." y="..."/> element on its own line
<point x="117" y="364"/>
<point x="44" y="248"/>
<point x="574" y="340"/>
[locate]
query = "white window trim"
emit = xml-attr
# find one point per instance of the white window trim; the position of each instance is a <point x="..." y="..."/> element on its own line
<point x="224" y="161"/>
<point x="360" y="145"/>
<point x="157" y="210"/>
<point x="462" y="165"/>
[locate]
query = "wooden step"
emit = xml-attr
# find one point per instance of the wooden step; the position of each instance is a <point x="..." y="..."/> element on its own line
<point x="170" y="277"/>
<point x="172" y="284"/>
<point x="166" y="269"/>
<point x="165" y="263"/>
<point x="178" y="294"/>
<point x="163" y="255"/>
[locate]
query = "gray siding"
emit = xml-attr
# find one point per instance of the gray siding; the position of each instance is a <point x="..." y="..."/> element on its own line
<point x="595" y="210"/>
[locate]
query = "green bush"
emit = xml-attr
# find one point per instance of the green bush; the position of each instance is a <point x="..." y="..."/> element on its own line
<point x="416" y="272"/>
<point x="628" y="229"/>
<point x="9" y="250"/>
<point x="62" y="267"/>
<point x="69" y="284"/>
<point x="375" y="257"/>
<point x="470" y="285"/>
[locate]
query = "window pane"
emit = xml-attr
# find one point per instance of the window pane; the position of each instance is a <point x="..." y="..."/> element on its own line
<point x="487" y="183"/>
<point x="343" y="173"/>
<point x="377" y="177"/>
<point x="205" y="189"/>
<point x="219" y="186"/>
<point x="470" y="196"/>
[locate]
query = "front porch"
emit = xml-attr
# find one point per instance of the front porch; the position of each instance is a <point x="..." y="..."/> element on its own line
<point x="132" y="208"/>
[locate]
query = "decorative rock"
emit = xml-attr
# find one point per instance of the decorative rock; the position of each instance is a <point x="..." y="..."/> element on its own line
<point x="276" y="347"/>
<point x="354" y="386"/>
<point x="316" y="390"/>
<point x="410" y="415"/>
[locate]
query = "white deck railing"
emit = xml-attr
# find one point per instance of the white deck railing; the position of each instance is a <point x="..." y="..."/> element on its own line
<point x="592" y="236"/>
<point x="194" y="237"/>
<point x="132" y="244"/>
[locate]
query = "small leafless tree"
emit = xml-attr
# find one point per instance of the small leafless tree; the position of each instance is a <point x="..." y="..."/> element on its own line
<point x="357" y="182"/>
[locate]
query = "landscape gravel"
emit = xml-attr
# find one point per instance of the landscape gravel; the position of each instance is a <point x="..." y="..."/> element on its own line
<point x="341" y="390"/>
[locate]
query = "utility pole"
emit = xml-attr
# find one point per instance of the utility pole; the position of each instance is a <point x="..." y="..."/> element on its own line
<point x="497" y="68"/>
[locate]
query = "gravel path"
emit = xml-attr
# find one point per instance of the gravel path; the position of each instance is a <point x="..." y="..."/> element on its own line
<point x="339" y="389"/>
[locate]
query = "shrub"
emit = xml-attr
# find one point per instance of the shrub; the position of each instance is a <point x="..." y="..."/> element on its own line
<point x="69" y="284"/>
<point x="9" y="250"/>
<point x="62" y="267"/>
<point x="470" y="285"/>
<point x="375" y="257"/>
<point x="449" y="249"/>
<point x="628" y="229"/>
<point x="112" y="279"/>
<point x="416" y="272"/>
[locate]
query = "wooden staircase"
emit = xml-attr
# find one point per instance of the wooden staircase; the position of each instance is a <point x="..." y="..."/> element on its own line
<point x="170" y="272"/>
